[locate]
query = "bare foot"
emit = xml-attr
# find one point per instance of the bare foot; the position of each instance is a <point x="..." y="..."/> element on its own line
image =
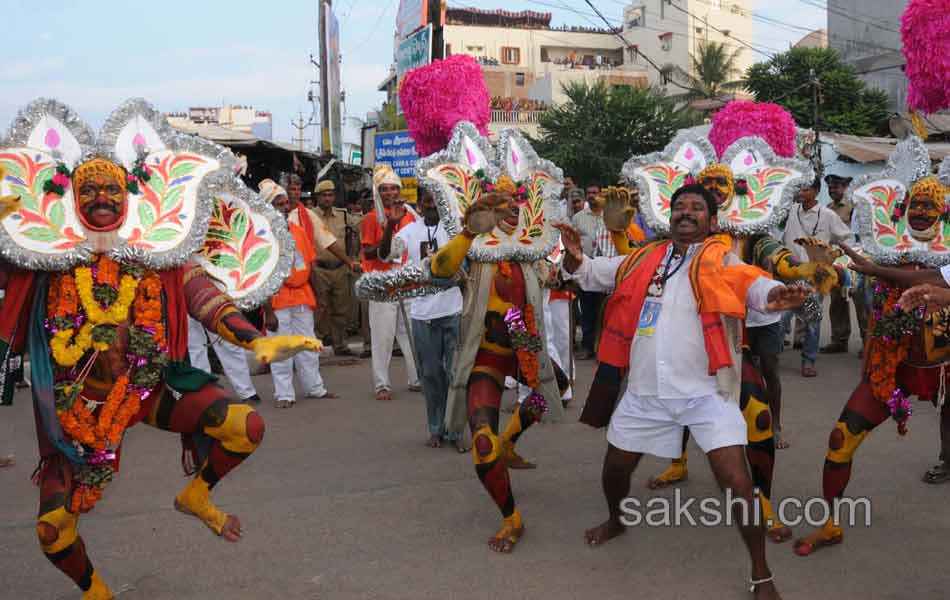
<point x="505" y="540"/>
<point x="604" y="532"/>
<point x="779" y="534"/>
<point x="766" y="591"/>
<point x="435" y="441"/>
<point x="232" y="529"/>
<point x="826" y="536"/>
<point x="7" y="461"/>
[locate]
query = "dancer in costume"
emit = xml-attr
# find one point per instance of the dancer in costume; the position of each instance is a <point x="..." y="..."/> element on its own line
<point x="746" y="161"/>
<point x="497" y="203"/>
<point x="115" y="242"/>
<point x="675" y="320"/>
<point x="907" y="353"/>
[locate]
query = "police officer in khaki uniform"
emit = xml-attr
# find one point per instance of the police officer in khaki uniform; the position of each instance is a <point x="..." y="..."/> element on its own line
<point x="333" y="279"/>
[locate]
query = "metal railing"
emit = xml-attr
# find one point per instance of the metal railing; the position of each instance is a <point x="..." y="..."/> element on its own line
<point x="516" y="116"/>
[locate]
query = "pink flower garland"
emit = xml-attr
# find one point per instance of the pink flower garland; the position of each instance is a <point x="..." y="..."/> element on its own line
<point x="436" y="97"/>
<point x="741" y="118"/>
<point x="925" y="31"/>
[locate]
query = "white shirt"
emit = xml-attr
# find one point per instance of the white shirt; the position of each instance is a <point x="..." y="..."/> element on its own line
<point x="587" y="224"/>
<point x="423" y="241"/>
<point x="820" y="222"/>
<point x="672" y="363"/>
<point x="945" y="273"/>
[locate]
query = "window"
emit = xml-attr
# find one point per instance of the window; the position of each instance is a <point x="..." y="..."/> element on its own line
<point x="666" y="42"/>
<point x="633" y="54"/>
<point x="716" y="4"/>
<point x="510" y="56"/>
<point x="636" y="17"/>
<point x="448" y="49"/>
<point x="519" y="79"/>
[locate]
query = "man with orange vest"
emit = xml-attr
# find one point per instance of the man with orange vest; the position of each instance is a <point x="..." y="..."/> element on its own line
<point x="291" y="308"/>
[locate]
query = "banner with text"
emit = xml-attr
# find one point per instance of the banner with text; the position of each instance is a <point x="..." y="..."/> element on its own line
<point x="398" y="150"/>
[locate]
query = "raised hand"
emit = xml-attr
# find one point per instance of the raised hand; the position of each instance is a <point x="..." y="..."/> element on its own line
<point x="485" y="214"/>
<point x="276" y="348"/>
<point x="787" y="297"/>
<point x="571" y="240"/>
<point x="822" y="275"/>
<point x="858" y="262"/>
<point x="618" y="209"/>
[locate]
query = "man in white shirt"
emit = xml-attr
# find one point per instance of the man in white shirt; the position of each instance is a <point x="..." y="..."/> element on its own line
<point x="589" y="222"/>
<point x="435" y="321"/>
<point x="809" y="219"/>
<point x="671" y="349"/>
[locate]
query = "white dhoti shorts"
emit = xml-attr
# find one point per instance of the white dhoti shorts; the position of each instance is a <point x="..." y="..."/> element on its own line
<point x="649" y="425"/>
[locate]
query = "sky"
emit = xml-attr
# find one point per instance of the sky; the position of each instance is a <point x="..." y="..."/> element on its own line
<point x="93" y="54"/>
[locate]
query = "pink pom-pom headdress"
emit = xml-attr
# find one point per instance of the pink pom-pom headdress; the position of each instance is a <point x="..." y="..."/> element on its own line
<point x="925" y="32"/>
<point x="741" y="118"/>
<point x="436" y="97"/>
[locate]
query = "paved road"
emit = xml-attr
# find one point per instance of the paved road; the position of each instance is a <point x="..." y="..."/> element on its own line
<point x="343" y="501"/>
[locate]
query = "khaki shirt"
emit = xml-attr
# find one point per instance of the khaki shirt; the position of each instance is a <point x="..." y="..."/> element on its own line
<point x="843" y="209"/>
<point x="322" y="237"/>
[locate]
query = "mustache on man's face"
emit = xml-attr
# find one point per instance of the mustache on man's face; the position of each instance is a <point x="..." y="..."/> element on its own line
<point x="94" y="206"/>
<point x="688" y="219"/>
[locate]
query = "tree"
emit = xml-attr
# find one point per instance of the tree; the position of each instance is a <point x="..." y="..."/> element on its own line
<point x="716" y="73"/>
<point x="846" y="104"/>
<point x="599" y="128"/>
<point x="390" y="120"/>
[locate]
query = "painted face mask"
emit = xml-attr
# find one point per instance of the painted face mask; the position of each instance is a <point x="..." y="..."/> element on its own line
<point x="717" y="178"/>
<point x="100" y="189"/>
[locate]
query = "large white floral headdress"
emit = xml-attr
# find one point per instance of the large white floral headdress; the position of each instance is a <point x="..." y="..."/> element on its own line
<point x="755" y="142"/>
<point x="881" y="199"/>
<point x="184" y="200"/>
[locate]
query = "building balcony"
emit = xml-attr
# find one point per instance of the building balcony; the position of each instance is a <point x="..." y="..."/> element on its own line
<point x="515" y="117"/>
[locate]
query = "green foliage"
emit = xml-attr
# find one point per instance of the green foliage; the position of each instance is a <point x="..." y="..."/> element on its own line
<point x="714" y="73"/>
<point x="599" y="128"/>
<point x="390" y="120"/>
<point x="846" y="104"/>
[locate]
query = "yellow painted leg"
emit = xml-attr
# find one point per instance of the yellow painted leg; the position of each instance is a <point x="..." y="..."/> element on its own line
<point x="195" y="500"/>
<point x="828" y="535"/>
<point x="98" y="590"/>
<point x="677" y="472"/>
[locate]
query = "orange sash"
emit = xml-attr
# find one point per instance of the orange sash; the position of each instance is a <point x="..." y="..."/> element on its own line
<point x="720" y="290"/>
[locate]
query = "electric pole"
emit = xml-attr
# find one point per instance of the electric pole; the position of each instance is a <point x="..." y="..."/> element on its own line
<point x="325" y="143"/>
<point x="300" y="125"/>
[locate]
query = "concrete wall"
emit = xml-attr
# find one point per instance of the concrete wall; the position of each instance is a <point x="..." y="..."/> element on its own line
<point x="866" y="33"/>
<point x="646" y="22"/>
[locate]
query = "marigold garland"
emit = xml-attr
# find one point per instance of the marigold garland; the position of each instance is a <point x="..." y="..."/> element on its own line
<point x="526" y="342"/>
<point x="75" y="303"/>
<point x="892" y="332"/>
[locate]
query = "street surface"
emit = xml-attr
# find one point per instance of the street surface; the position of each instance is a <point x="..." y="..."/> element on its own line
<point x="343" y="501"/>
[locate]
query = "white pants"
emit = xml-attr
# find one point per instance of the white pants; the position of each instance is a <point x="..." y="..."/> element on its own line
<point x="557" y="330"/>
<point x="297" y="320"/>
<point x="233" y="358"/>
<point x="385" y="325"/>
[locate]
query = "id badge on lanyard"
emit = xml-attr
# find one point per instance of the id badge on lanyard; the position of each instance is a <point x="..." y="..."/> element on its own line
<point x="649" y="317"/>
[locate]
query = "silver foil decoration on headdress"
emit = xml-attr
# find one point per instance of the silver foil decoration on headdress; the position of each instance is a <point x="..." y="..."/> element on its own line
<point x="875" y="195"/>
<point x="161" y="233"/>
<point x="261" y="227"/>
<point x="658" y="175"/>
<point x="450" y="175"/>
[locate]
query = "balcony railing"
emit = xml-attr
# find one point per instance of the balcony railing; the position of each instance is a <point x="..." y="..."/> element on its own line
<point x="516" y="116"/>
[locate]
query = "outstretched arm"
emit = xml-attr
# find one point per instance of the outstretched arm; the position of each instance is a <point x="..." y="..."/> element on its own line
<point x="900" y="277"/>
<point x="214" y="309"/>
<point x="591" y="274"/>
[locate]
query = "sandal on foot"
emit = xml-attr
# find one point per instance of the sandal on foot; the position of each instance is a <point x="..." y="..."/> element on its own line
<point x="460" y="447"/>
<point x="384" y="395"/>
<point x="938" y="474"/>
<point x="809" y="371"/>
<point x="434" y="441"/>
